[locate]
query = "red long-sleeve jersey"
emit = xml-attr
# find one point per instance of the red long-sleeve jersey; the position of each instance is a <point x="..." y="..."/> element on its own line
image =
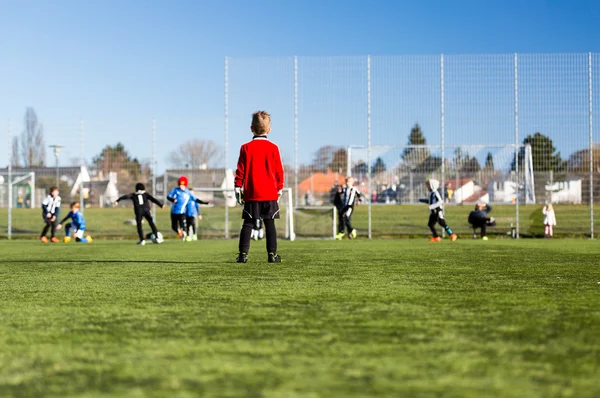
<point x="259" y="170"/>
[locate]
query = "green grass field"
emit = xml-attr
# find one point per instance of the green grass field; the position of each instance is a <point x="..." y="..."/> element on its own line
<point x="386" y="318"/>
<point x="392" y="221"/>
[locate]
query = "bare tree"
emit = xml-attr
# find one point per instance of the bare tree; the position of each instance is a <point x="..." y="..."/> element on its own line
<point x="195" y="154"/>
<point x="33" y="146"/>
<point x="14" y="156"/>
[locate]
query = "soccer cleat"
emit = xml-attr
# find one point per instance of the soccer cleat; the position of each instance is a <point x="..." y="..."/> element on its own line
<point x="194" y="237"/>
<point x="180" y="234"/>
<point x="188" y="238"/>
<point x="339" y="236"/>
<point x="353" y="234"/>
<point x="242" y="258"/>
<point x="453" y="237"/>
<point x="89" y="239"/>
<point x="44" y="239"/>
<point x="67" y="239"/>
<point x="484" y="238"/>
<point x="436" y="239"/>
<point x="54" y="240"/>
<point x="141" y="243"/>
<point x="274" y="258"/>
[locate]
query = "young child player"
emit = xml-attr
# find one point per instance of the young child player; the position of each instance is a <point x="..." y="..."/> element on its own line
<point x="346" y="198"/>
<point x="192" y="212"/>
<point x="479" y="218"/>
<point x="180" y="196"/>
<point x="549" y="220"/>
<point x="436" y="211"/>
<point x="50" y="213"/>
<point x="258" y="183"/>
<point x="141" y="208"/>
<point x="76" y="228"/>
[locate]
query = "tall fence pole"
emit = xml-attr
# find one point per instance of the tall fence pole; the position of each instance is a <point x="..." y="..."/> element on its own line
<point x="10" y="155"/>
<point x="443" y="123"/>
<point x="296" y="130"/>
<point x="81" y="164"/>
<point x="516" y="67"/>
<point x="443" y="132"/>
<point x="369" y="141"/>
<point x="154" y="167"/>
<point x="591" y="160"/>
<point x="227" y="187"/>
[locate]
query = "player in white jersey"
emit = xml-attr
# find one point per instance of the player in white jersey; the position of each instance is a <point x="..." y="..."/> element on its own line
<point x="436" y="211"/>
<point x="51" y="214"/>
<point x="345" y="200"/>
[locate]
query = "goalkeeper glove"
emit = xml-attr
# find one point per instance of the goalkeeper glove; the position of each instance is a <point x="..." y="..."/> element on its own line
<point x="239" y="195"/>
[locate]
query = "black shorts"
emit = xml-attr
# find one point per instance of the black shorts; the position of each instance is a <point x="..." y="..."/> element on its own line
<point x="268" y="209"/>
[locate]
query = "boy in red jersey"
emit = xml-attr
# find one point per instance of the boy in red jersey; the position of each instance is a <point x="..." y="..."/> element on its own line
<point x="258" y="185"/>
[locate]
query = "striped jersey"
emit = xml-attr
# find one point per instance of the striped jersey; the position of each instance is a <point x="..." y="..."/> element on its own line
<point x="349" y="196"/>
<point x="51" y="205"/>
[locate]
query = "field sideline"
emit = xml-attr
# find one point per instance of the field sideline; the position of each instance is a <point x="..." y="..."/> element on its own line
<point x="385" y="318"/>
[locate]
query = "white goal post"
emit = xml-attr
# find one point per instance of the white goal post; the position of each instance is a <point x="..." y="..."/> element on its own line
<point x="470" y="173"/>
<point x="225" y="198"/>
<point x="493" y="163"/>
<point x="9" y="189"/>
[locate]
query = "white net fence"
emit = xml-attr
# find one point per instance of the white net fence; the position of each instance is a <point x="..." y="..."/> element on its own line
<point x="466" y="120"/>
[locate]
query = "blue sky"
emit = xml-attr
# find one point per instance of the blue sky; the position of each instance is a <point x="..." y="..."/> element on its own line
<point x="118" y="64"/>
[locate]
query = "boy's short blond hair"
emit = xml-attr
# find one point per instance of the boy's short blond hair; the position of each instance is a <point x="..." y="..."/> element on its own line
<point x="261" y="123"/>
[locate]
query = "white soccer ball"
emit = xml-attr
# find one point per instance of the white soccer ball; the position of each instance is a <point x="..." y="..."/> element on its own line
<point x="158" y="238"/>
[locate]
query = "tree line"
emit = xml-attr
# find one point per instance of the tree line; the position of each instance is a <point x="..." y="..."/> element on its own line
<point x="545" y="158"/>
<point x="29" y="150"/>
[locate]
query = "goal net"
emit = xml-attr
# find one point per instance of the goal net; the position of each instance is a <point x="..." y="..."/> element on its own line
<point x="223" y="217"/>
<point x="501" y="175"/>
<point x="17" y="192"/>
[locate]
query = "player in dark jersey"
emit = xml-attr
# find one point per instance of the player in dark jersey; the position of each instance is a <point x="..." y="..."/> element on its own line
<point x="141" y="207"/>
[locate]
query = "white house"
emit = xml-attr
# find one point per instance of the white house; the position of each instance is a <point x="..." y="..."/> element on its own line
<point x="568" y="192"/>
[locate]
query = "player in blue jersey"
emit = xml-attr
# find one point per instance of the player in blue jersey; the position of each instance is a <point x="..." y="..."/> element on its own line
<point x="180" y="197"/>
<point x="76" y="228"/>
<point x="193" y="212"/>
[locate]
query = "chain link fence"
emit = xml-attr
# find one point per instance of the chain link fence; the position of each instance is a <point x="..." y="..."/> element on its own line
<point x="515" y="130"/>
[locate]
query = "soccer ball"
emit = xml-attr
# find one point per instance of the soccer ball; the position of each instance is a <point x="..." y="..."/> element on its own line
<point x="158" y="238"/>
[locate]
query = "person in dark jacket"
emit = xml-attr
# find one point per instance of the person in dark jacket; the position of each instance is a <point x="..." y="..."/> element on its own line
<point x="479" y="218"/>
<point x="141" y="207"/>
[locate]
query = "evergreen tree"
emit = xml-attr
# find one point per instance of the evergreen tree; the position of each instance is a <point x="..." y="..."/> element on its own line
<point x="543" y="153"/>
<point x="489" y="162"/>
<point x="416" y="156"/>
<point x="379" y="166"/>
